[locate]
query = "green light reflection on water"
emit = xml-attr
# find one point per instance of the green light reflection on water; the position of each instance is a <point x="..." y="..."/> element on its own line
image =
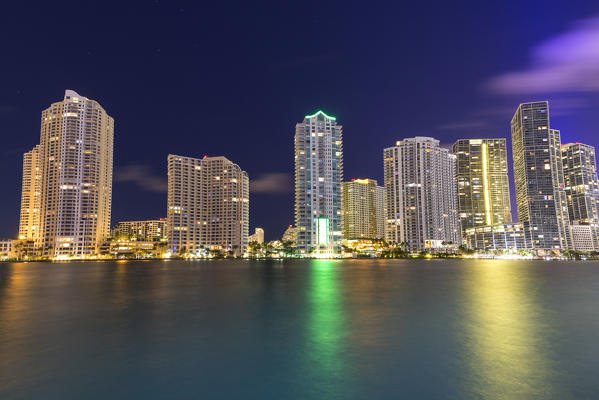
<point x="326" y="325"/>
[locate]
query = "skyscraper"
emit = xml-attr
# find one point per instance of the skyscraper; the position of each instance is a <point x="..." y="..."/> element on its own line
<point x="482" y="182"/>
<point x="29" y="225"/>
<point x="421" y="194"/>
<point x="582" y="195"/>
<point x="581" y="183"/>
<point x="318" y="177"/>
<point x="208" y="205"/>
<point x="74" y="158"/>
<point x="363" y="209"/>
<point x="538" y="174"/>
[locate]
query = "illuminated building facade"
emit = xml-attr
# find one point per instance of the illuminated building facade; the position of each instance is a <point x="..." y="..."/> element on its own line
<point x="482" y="182"/>
<point x="363" y="209"/>
<point x="421" y="194"/>
<point x="73" y="164"/>
<point x="502" y="236"/>
<point x="584" y="237"/>
<point x="290" y="235"/>
<point x="149" y="231"/>
<point x="208" y="206"/>
<point x="29" y="224"/>
<point x="318" y="178"/>
<point x="539" y="179"/>
<point x="257" y="236"/>
<point x="581" y="183"/>
<point x="6" y="249"/>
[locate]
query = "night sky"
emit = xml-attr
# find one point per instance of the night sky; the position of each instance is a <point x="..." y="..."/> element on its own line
<point x="233" y="79"/>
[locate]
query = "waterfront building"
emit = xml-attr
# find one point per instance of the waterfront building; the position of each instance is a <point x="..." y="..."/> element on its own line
<point x="29" y="223"/>
<point x="581" y="183"/>
<point x="257" y="236"/>
<point x="138" y="249"/>
<point x="318" y="176"/>
<point x="363" y="209"/>
<point x="539" y="179"/>
<point x="582" y="195"/>
<point x="584" y="237"/>
<point x="73" y="164"/>
<point x="482" y="182"/>
<point x="208" y="206"/>
<point x="502" y="236"/>
<point x="148" y="231"/>
<point x="421" y="194"/>
<point x="290" y="235"/>
<point x="6" y="249"/>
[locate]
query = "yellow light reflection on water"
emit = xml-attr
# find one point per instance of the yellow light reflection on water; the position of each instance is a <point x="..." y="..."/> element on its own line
<point x="506" y="339"/>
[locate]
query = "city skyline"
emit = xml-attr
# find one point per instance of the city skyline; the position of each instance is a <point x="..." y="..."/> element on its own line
<point x="175" y="86"/>
<point x="433" y="197"/>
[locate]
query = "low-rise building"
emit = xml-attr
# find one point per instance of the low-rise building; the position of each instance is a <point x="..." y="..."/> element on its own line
<point x="5" y="249"/>
<point x="150" y="230"/>
<point x="128" y="248"/>
<point x="508" y="236"/>
<point x="584" y="237"/>
<point x="24" y="249"/>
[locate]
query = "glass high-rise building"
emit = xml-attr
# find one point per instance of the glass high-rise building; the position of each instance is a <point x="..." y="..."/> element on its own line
<point x="421" y="194"/>
<point x="363" y="209"/>
<point x="208" y="206"/>
<point x="318" y="178"/>
<point x="482" y="182"/>
<point x="73" y="164"/>
<point x="539" y="179"/>
<point x="581" y="183"/>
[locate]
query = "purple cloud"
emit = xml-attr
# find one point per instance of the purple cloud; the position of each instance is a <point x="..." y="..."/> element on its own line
<point x="272" y="183"/>
<point x="142" y="176"/>
<point x="568" y="62"/>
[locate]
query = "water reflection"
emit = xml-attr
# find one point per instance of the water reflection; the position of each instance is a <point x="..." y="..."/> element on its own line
<point x="507" y="338"/>
<point x="326" y="328"/>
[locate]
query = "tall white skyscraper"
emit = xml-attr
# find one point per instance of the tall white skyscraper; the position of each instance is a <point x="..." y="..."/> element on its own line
<point x="208" y="205"/>
<point x="539" y="178"/>
<point x="73" y="164"/>
<point x="318" y="178"/>
<point x="421" y="194"/>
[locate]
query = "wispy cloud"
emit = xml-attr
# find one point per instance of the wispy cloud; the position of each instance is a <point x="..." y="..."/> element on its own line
<point x="7" y="109"/>
<point x="273" y="183"/>
<point x="142" y="176"/>
<point x="568" y="62"/>
<point x="461" y="125"/>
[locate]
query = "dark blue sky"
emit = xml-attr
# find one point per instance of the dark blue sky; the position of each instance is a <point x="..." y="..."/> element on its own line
<point x="233" y="78"/>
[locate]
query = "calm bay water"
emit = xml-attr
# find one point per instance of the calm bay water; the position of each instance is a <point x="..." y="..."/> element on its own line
<point x="358" y="329"/>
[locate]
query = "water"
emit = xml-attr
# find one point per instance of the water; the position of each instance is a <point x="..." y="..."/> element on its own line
<point x="358" y="329"/>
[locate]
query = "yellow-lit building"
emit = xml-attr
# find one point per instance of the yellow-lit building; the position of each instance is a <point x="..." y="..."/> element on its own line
<point x="29" y="224"/>
<point x="149" y="230"/>
<point x="363" y="209"/>
<point x="482" y="182"/>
